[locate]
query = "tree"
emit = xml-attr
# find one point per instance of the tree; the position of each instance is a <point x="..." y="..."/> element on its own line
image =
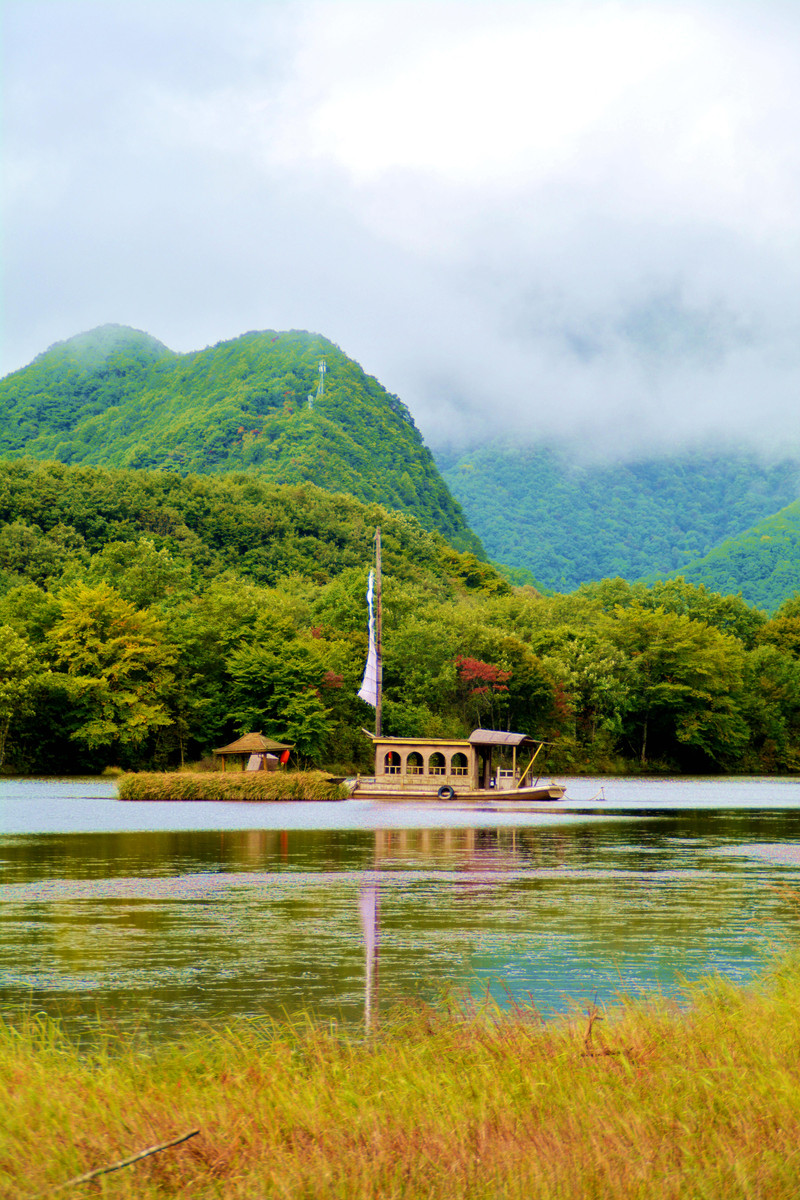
<point x="683" y="678"/>
<point x="276" y="689"/>
<point x="483" y="690"/>
<point x="592" y="671"/>
<point x="118" y="666"/>
<point x="771" y="705"/>
<point x="140" y="572"/>
<point x="19" y="668"/>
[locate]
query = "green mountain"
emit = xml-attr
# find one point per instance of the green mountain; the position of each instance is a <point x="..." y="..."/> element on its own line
<point x="763" y="563"/>
<point x="116" y="397"/>
<point x="569" y="523"/>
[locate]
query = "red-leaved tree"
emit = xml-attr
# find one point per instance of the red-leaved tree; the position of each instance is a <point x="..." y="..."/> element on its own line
<point x="483" y="690"/>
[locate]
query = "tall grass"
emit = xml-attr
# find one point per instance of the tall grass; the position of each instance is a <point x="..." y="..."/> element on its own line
<point x="230" y="785"/>
<point x="652" y="1101"/>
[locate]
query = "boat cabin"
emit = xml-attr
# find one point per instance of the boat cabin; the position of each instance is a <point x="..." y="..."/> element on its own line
<point x="488" y="758"/>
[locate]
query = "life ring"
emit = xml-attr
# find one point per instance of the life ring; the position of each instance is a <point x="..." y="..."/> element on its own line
<point x="446" y="792"/>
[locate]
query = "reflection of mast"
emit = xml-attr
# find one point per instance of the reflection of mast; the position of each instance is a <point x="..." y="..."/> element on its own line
<point x="370" y="923"/>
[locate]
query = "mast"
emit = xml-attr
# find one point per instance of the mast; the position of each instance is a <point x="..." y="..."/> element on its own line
<point x="378" y="634"/>
<point x="371" y="690"/>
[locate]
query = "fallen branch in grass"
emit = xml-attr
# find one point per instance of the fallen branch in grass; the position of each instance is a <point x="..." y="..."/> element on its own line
<point x="594" y="1014"/>
<point x="126" y="1162"/>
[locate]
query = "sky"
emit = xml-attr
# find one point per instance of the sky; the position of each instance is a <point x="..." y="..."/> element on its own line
<point x="570" y="220"/>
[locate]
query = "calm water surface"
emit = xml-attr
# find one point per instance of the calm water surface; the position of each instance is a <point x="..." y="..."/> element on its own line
<point x="155" y="914"/>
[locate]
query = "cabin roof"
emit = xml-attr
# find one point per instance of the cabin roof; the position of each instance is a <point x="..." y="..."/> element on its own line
<point x="411" y="741"/>
<point x="253" y="743"/>
<point x="497" y="737"/>
<point x="478" y="737"/>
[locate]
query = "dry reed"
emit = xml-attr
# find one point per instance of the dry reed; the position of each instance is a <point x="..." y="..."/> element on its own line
<point x="655" y="1101"/>
<point x="230" y="785"/>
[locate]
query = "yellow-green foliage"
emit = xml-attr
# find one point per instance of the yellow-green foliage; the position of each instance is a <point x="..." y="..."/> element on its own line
<point x="233" y="785"/>
<point x="654" y="1102"/>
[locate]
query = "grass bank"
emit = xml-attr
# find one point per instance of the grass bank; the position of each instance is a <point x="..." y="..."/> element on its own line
<point x="651" y="1101"/>
<point x="229" y="785"/>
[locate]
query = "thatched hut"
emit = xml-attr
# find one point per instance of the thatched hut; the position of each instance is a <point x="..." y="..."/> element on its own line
<point x="254" y="752"/>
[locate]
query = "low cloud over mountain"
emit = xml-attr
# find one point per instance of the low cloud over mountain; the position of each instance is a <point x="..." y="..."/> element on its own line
<point x="570" y="220"/>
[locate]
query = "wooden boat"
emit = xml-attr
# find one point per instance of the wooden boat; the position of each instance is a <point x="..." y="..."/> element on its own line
<point x="472" y="772"/>
<point x="482" y="770"/>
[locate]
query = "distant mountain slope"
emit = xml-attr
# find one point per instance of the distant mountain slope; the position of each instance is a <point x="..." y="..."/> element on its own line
<point x="117" y="397"/>
<point x="763" y="563"/>
<point x="569" y="523"/>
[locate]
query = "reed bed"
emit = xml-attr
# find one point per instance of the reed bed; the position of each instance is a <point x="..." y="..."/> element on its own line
<point x="230" y="785"/>
<point x="646" y="1101"/>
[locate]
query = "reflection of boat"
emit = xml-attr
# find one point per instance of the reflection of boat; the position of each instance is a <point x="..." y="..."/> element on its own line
<point x="483" y="770"/>
<point x="474" y="770"/>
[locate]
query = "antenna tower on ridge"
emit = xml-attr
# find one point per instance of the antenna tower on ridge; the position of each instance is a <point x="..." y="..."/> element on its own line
<point x="321" y="384"/>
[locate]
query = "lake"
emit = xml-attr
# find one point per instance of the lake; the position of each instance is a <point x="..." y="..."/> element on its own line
<point x="155" y="915"/>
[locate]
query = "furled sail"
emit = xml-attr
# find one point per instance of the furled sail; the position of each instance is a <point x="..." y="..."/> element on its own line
<point x="369" y="684"/>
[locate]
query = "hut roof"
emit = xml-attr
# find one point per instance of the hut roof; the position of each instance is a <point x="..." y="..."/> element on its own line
<point x="254" y="743"/>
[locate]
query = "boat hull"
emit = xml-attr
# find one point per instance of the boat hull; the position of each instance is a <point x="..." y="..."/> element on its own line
<point x="496" y="800"/>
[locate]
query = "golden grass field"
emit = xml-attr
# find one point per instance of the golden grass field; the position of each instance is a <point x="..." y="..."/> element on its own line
<point x="651" y="1099"/>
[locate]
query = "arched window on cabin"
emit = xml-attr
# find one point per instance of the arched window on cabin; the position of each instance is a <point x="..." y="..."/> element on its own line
<point x="458" y="764"/>
<point x="391" y="763"/>
<point x="436" y="764"/>
<point x="414" y="763"/>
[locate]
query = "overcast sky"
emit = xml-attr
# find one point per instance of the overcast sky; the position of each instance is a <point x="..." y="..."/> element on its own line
<point x="549" y="218"/>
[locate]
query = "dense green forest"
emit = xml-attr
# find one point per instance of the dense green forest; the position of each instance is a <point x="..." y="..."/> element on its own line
<point x="117" y="397"/>
<point x="569" y="522"/>
<point x="763" y="562"/>
<point x="146" y="617"/>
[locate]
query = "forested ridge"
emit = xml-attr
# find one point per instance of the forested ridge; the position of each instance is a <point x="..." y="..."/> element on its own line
<point x="117" y="397"/>
<point x="763" y="562"/>
<point x="148" y="616"/>
<point x="569" y="522"/>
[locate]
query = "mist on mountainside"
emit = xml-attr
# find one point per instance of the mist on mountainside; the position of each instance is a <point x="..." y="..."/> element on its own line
<point x="647" y="376"/>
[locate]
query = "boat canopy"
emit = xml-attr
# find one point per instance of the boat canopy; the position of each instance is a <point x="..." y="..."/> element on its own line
<point x="496" y="737"/>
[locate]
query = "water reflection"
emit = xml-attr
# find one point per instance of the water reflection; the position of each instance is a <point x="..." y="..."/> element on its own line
<point x="369" y="911"/>
<point x="160" y="927"/>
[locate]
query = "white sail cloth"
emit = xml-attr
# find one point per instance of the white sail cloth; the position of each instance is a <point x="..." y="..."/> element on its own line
<point x="369" y="684"/>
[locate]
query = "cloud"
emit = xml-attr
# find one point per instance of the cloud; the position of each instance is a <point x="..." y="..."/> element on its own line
<point x="563" y="219"/>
